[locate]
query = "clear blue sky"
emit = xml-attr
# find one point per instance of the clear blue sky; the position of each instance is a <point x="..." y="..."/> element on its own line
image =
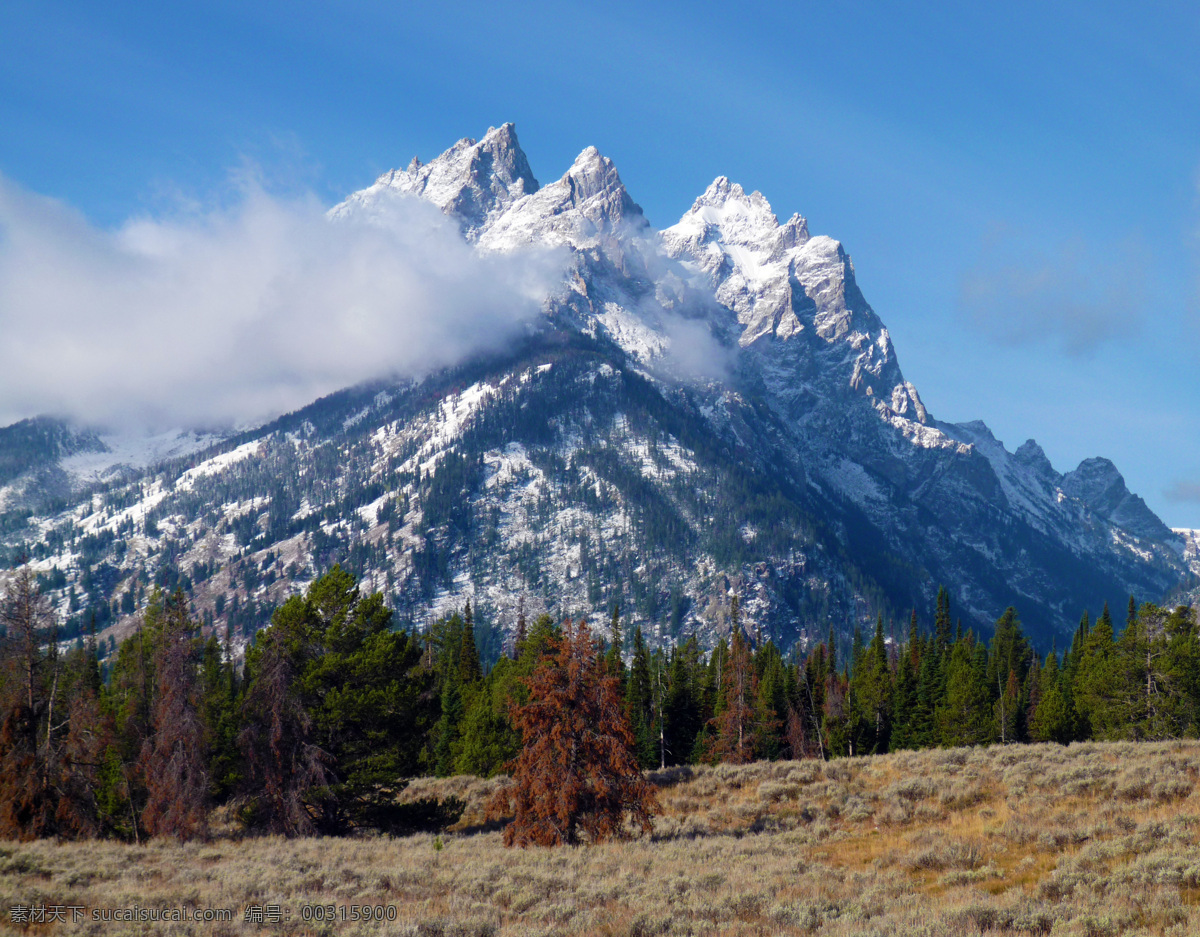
<point x="1017" y="187"/>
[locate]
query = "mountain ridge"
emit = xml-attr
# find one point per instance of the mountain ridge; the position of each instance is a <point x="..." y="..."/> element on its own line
<point x="749" y="337"/>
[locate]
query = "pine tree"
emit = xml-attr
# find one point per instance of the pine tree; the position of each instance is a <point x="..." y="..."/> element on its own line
<point x="682" y="708"/>
<point x="1099" y="688"/>
<point x="771" y="701"/>
<point x="734" y="729"/>
<point x="965" y="714"/>
<point x="447" y="747"/>
<point x="942" y="627"/>
<point x="576" y="777"/>
<point x="336" y="711"/>
<point x="488" y="741"/>
<point x="914" y="642"/>
<point x="639" y="702"/>
<point x="923" y="731"/>
<point x="904" y="705"/>
<point x="873" y="694"/>
<point x="1052" y="720"/>
<point x="519" y="639"/>
<point x="220" y="703"/>
<point x="469" y="671"/>
<point x="173" y="758"/>
<point x="613" y="660"/>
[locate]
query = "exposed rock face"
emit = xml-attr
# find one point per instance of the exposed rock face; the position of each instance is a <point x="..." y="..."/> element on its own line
<point x="473" y="180"/>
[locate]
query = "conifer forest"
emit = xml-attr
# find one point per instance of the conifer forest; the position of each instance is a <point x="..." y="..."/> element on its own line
<point x="333" y="709"/>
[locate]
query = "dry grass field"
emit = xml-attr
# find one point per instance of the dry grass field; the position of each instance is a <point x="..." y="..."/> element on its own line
<point x="1095" y="839"/>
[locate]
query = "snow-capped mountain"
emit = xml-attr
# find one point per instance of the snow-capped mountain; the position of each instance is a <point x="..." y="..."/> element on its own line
<point x="710" y="407"/>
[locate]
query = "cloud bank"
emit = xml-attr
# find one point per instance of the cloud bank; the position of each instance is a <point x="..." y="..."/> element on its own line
<point x="1183" y="491"/>
<point x="1070" y="296"/>
<point x="233" y="315"/>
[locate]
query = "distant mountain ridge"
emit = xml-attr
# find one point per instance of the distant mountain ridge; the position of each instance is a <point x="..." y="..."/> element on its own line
<point x="710" y="407"/>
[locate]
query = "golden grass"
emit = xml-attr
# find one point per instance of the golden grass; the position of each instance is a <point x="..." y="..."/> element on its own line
<point x="1088" y="840"/>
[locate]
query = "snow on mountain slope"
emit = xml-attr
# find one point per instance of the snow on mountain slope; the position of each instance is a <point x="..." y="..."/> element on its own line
<point x="1191" y="547"/>
<point x="711" y="407"/>
<point x="1002" y="526"/>
<point x="131" y="450"/>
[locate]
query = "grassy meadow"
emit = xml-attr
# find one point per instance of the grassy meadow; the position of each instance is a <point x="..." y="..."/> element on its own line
<point x="1095" y="839"/>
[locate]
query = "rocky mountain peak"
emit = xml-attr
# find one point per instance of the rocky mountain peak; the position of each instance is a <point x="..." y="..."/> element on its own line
<point x="1030" y="454"/>
<point x="589" y="202"/>
<point x="596" y="190"/>
<point x="474" y="180"/>
<point x="725" y="214"/>
<point x="1097" y="483"/>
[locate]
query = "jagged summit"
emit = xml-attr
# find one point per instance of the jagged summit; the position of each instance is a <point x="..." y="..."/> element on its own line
<point x="797" y="303"/>
<point x="473" y="180"/>
<point x="727" y="214"/>
<point x="1034" y="456"/>
<point x="589" y="202"/>
<point x="1097" y="483"/>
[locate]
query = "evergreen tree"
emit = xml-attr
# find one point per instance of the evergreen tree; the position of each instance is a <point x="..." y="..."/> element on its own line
<point x="923" y="729"/>
<point x="220" y="705"/>
<point x="771" y="701"/>
<point x="576" y="777"/>
<point x="1154" y="707"/>
<point x="965" y="714"/>
<point x="469" y="671"/>
<point x="613" y="660"/>
<point x="682" y="709"/>
<point x="904" y="706"/>
<point x="519" y="639"/>
<point x="336" y="710"/>
<point x="639" y="702"/>
<point x="447" y="747"/>
<point x="1053" y="718"/>
<point x="488" y="739"/>
<point x="172" y="761"/>
<point x="1099" y="685"/>
<point x="873" y="694"/>
<point x="734" y="730"/>
<point x="942" y="627"/>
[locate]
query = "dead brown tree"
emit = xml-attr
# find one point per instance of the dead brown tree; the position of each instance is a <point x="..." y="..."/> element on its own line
<point x="577" y="776"/>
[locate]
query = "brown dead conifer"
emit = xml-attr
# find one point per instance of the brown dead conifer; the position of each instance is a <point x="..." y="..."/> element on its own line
<point x="577" y="777"/>
<point x="173" y="757"/>
<point x="736" y="728"/>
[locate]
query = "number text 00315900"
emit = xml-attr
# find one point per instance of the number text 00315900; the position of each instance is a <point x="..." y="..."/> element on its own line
<point x="348" y="912"/>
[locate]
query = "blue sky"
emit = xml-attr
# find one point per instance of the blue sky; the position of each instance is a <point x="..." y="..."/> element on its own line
<point x="1018" y="188"/>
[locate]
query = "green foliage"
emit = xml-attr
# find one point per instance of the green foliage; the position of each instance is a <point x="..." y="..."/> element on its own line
<point x="964" y="715"/>
<point x="355" y="690"/>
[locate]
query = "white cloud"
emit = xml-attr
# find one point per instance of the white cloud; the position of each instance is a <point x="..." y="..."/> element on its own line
<point x="1183" y="491"/>
<point x="1070" y="295"/>
<point x="237" y="314"/>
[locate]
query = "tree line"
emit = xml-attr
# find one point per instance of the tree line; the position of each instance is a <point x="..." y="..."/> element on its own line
<point x="332" y="709"/>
